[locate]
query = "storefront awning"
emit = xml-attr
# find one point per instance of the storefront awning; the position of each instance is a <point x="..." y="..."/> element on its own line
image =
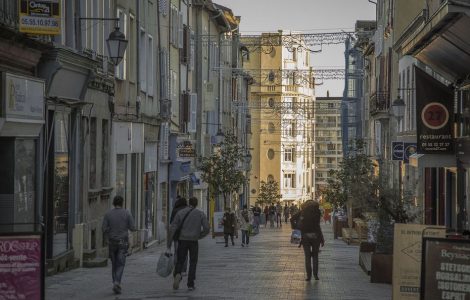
<point x="443" y="43"/>
<point x="432" y="160"/>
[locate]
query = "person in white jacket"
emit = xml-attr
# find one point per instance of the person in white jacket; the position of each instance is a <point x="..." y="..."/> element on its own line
<point x="245" y="218"/>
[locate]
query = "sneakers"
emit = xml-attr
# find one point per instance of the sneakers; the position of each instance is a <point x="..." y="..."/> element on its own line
<point x="176" y="281"/>
<point x="117" y="288"/>
<point x="316" y="277"/>
<point x="191" y="288"/>
<point x="243" y="245"/>
<point x="226" y="245"/>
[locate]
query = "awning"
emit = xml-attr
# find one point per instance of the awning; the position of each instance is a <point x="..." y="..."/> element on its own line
<point x="433" y="160"/>
<point x="443" y="43"/>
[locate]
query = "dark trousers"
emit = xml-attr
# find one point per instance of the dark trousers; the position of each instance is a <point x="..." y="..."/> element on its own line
<point x="117" y="254"/>
<point x="183" y="248"/>
<point x="226" y="238"/>
<point x="185" y="264"/>
<point x="285" y="218"/>
<point x="278" y="220"/>
<point x="245" y="237"/>
<point x="311" y="249"/>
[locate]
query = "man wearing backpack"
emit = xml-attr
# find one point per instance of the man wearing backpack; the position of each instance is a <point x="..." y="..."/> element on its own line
<point x="312" y="236"/>
<point x="190" y="225"/>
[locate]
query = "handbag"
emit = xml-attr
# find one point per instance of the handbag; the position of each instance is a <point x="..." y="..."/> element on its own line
<point x="178" y="231"/>
<point x="165" y="264"/>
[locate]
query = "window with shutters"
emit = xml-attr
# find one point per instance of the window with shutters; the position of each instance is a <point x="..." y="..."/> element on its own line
<point x="164" y="80"/>
<point x="174" y="26"/>
<point x="192" y="50"/>
<point x="184" y="112"/>
<point x="180" y="36"/>
<point x="150" y="66"/>
<point x="192" y="113"/>
<point x="185" y="50"/>
<point x="142" y="60"/>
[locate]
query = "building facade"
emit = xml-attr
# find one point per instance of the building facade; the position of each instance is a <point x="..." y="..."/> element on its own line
<point x="328" y="139"/>
<point x="282" y="119"/>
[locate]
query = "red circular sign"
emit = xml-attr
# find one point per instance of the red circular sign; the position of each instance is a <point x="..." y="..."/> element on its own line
<point x="435" y="115"/>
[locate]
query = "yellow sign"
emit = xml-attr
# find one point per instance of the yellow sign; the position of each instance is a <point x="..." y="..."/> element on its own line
<point x="407" y="249"/>
<point x="39" y="17"/>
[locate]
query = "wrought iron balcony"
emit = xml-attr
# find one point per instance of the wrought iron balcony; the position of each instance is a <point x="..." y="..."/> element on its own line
<point x="9" y="14"/>
<point x="379" y="103"/>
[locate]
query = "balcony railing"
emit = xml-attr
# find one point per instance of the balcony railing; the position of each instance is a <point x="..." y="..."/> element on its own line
<point x="9" y="13"/>
<point x="379" y="102"/>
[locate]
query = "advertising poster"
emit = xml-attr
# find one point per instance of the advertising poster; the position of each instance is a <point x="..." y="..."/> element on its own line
<point x="218" y="218"/>
<point x="20" y="267"/>
<point x="434" y="103"/>
<point x="39" y="17"/>
<point x="446" y="269"/>
<point x="407" y="253"/>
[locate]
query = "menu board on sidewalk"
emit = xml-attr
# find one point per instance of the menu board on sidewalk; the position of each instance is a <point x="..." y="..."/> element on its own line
<point x="407" y="242"/>
<point x="445" y="269"/>
<point x="20" y="267"/>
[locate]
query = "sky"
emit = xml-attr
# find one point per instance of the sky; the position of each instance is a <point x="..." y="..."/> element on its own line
<point x="308" y="16"/>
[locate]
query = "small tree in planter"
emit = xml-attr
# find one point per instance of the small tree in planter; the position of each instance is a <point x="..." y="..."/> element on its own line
<point x="221" y="169"/>
<point x="268" y="192"/>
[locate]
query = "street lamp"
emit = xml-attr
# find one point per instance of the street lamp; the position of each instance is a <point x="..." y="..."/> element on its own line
<point x="398" y="107"/>
<point x="117" y="45"/>
<point x="116" y="41"/>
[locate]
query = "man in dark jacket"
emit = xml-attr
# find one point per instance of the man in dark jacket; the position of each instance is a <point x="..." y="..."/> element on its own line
<point x="193" y="226"/>
<point x="312" y="237"/>
<point x="116" y="224"/>
<point x="180" y="204"/>
<point x="229" y="221"/>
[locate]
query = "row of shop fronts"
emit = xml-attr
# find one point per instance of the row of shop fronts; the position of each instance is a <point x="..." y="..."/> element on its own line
<point x="418" y="57"/>
<point x="75" y="130"/>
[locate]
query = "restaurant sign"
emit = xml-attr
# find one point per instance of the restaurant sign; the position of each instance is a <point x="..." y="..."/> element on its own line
<point x="185" y="150"/>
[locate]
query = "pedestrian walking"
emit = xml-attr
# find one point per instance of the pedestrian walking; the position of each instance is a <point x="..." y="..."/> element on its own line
<point x="256" y="217"/>
<point x="189" y="225"/>
<point x="312" y="237"/>
<point x="180" y="204"/>
<point x="272" y="215"/>
<point x="229" y="221"/>
<point x="286" y="213"/>
<point x="279" y="214"/>
<point x="246" y="218"/>
<point x="117" y="223"/>
<point x="266" y="214"/>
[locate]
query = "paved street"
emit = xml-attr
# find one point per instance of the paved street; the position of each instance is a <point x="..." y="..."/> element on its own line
<point x="271" y="268"/>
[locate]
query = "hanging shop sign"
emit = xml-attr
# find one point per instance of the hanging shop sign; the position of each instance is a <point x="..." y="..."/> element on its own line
<point x="40" y="17"/>
<point x="407" y="245"/>
<point x="445" y="269"/>
<point x="434" y="102"/>
<point x="185" y="150"/>
<point x="397" y="150"/>
<point x="20" y="267"/>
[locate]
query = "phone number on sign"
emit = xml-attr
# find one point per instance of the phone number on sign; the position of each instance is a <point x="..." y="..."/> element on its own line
<point x="29" y="21"/>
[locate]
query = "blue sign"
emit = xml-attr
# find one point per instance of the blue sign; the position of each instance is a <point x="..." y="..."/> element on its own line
<point x="397" y="151"/>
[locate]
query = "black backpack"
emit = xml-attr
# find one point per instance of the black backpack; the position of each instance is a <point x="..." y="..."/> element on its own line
<point x="296" y="221"/>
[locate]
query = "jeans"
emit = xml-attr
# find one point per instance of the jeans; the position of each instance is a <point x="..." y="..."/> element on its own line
<point x="226" y="238"/>
<point x="245" y="237"/>
<point x="278" y="220"/>
<point x="185" y="264"/>
<point x="311" y="249"/>
<point x="117" y="253"/>
<point x="183" y="248"/>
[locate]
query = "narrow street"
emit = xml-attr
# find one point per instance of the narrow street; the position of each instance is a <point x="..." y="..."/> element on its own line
<point x="271" y="268"/>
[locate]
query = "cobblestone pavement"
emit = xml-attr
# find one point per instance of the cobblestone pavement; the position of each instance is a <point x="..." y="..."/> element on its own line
<point x="271" y="268"/>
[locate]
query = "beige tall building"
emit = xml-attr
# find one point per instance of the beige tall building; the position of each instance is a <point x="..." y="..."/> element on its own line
<point x="328" y="139"/>
<point x="282" y="116"/>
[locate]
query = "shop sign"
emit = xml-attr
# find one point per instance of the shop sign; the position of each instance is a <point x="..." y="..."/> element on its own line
<point x="397" y="150"/>
<point x="445" y="271"/>
<point x="407" y="246"/>
<point x="40" y="17"/>
<point x="185" y="150"/>
<point x="20" y="267"/>
<point x="434" y="103"/>
<point x="23" y="98"/>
